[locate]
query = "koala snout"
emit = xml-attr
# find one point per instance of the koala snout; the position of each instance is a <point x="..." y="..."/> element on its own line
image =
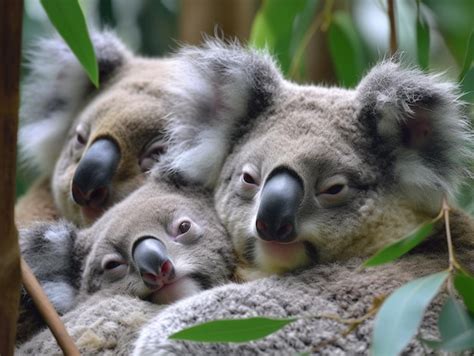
<point x="151" y="258"/>
<point x="280" y="199"/>
<point x="94" y="173"/>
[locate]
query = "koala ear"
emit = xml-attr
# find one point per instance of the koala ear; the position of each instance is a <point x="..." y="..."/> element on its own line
<point x="219" y="89"/>
<point x="419" y="122"/>
<point x="49" y="250"/>
<point x="54" y="91"/>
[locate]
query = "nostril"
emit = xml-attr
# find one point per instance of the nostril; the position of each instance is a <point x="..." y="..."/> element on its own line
<point x="261" y="226"/>
<point x="78" y="196"/>
<point x="166" y="268"/>
<point x="98" y="197"/>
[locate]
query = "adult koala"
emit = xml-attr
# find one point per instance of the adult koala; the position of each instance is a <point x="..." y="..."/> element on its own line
<point x="160" y="244"/>
<point x="93" y="147"/>
<point x="325" y="174"/>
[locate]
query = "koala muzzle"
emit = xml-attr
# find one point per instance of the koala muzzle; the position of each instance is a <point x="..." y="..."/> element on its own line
<point x="94" y="174"/>
<point x="280" y="199"/>
<point x="151" y="258"/>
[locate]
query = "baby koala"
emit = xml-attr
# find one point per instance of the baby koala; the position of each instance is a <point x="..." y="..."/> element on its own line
<point x="160" y="244"/>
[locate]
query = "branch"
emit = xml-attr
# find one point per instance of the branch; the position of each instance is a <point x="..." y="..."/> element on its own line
<point x="393" y="28"/>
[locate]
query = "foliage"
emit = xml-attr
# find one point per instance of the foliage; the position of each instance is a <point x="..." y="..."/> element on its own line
<point x="67" y="17"/>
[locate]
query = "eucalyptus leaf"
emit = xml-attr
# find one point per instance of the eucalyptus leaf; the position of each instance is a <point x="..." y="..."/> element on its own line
<point x="423" y="40"/>
<point x="346" y="49"/>
<point x="400" y="247"/>
<point x="454" y="320"/>
<point x="279" y="25"/>
<point x="468" y="57"/>
<point x="69" y="21"/>
<point x="465" y="286"/>
<point x="232" y="330"/>
<point x="402" y="312"/>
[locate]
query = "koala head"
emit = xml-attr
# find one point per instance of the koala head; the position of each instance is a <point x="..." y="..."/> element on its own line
<point x="159" y="244"/>
<point x="162" y="243"/>
<point x="98" y="144"/>
<point x="329" y="173"/>
<point x="322" y="174"/>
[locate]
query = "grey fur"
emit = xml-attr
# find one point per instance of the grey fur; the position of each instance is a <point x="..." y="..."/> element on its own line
<point x="396" y="144"/>
<point x="73" y="267"/>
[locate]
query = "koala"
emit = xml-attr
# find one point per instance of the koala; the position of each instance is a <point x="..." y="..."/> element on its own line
<point x="93" y="147"/>
<point x="120" y="324"/>
<point x="160" y="244"/>
<point x="325" y="174"/>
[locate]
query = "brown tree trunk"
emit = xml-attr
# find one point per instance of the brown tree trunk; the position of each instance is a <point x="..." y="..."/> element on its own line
<point x="10" y="278"/>
<point x="232" y="17"/>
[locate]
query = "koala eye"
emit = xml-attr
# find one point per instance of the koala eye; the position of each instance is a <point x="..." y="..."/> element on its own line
<point x="114" y="266"/>
<point x="186" y="231"/>
<point x="334" y="192"/>
<point x="249" y="180"/>
<point x="151" y="155"/>
<point x="184" y="227"/>
<point x="81" y="136"/>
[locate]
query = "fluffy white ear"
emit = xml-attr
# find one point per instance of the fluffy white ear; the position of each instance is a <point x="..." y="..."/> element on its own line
<point x="420" y="124"/>
<point x="218" y="88"/>
<point x="54" y="91"/>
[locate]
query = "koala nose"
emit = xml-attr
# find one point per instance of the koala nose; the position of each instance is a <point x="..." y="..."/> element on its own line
<point x="94" y="173"/>
<point x="279" y="202"/>
<point x="151" y="258"/>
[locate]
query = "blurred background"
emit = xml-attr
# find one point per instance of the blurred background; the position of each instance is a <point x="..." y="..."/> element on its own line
<point x="332" y="42"/>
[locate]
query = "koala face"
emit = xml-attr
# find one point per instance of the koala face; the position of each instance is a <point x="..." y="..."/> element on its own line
<point x="95" y="146"/>
<point x="113" y="143"/>
<point x="159" y="244"/>
<point x="327" y="174"/>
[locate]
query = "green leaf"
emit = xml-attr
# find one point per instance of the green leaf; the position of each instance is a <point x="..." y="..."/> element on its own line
<point x="401" y="314"/>
<point x="468" y="57"/>
<point x="456" y="327"/>
<point x="67" y="17"/>
<point x="453" y="320"/>
<point x="279" y="25"/>
<point x="467" y="86"/>
<point x="422" y="39"/>
<point x="346" y="49"/>
<point x="400" y="247"/>
<point x="232" y="330"/>
<point x="465" y="286"/>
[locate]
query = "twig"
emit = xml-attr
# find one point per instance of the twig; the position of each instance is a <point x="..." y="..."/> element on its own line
<point x="393" y="28"/>
<point x="47" y="311"/>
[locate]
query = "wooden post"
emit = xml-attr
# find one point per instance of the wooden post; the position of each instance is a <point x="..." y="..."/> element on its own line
<point x="10" y="278"/>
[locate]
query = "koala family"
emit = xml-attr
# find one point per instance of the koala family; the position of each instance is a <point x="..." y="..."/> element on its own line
<point x="226" y="156"/>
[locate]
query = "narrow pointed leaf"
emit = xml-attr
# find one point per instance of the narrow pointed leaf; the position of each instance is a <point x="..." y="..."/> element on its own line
<point x="454" y="320"/>
<point x="274" y="26"/>
<point x="462" y="342"/>
<point x="346" y="49"/>
<point x="400" y="247"/>
<point x="400" y="315"/>
<point x="232" y="330"/>
<point x="423" y="40"/>
<point x="468" y="57"/>
<point x="68" y="19"/>
<point x="465" y="286"/>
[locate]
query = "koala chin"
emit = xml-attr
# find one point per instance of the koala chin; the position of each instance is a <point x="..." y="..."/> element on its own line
<point x="160" y="244"/>
<point x="307" y="174"/>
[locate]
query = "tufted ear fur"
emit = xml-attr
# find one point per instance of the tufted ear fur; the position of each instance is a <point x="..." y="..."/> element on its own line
<point x="418" y="122"/>
<point x="220" y="89"/>
<point x="49" y="249"/>
<point x="55" y="90"/>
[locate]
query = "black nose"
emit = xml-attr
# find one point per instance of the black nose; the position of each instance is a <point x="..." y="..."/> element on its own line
<point x="280" y="199"/>
<point x="94" y="173"/>
<point x="151" y="258"/>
